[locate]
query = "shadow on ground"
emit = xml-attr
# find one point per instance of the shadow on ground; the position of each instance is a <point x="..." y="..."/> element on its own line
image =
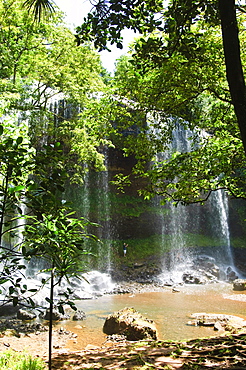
<point x="224" y="352"/>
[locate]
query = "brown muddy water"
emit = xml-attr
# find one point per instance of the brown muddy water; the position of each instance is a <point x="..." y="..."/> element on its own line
<point x="170" y="311"/>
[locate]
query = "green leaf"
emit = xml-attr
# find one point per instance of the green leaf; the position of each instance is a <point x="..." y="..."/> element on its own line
<point x="19" y="140"/>
<point x="16" y="188"/>
<point x="61" y="309"/>
<point x="32" y="302"/>
<point x="11" y="290"/>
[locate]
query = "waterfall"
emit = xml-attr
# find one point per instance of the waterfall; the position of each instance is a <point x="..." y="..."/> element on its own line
<point x="219" y="202"/>
<point x="179" y="215"/>
<point x="180" y="231"/>
<point x="175" y="222"/>
<point x="185" y="227"/>
<point x="92" y="201"/>
<point x="104" y="214"/>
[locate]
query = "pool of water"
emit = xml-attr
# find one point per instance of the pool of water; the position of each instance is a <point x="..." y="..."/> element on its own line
<point x="170" y="311"/>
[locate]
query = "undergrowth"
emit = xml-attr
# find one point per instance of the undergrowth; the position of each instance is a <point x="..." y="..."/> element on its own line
<point x="11" y="360"/>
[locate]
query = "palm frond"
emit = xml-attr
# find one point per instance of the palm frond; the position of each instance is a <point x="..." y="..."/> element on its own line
<point x="38" y="7"/>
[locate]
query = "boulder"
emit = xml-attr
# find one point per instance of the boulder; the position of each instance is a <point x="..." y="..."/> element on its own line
<point x="231" y="274"/>
<point x="9" y="310"/>
<point x="193" y="278"/>
<point x="25" y="315"/>
<point x="79" y="315"/>
<point x="56" y="315"/>
<point x="206" y="264"/>
<point x="131" y="324"/>
<point x="239" y="284"/>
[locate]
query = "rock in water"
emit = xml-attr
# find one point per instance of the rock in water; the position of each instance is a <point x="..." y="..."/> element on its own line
<point x="131" y="324"/>
<point x="239" y="284"/>
<point x="56" y="315"/>
<point x="79" y="316"/>
<point x="25" y="315"/>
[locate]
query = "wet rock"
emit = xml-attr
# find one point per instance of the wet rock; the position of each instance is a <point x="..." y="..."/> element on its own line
<point x="83" y="295"/>
<point x="63" y="331"/>
<point x="239" y="284"/>
<point x="218" y="321"/>
<point x="175" y="290"/>
<point x="135" y="288"/>
<point x="131" y="324"/>
<point x="25" y="315"/>
<point x="168" y="283"/>
<point x="231" y="274"/>
<point x="200" y="276"/>
<point x="207" y="265"/>
<point x="141" y="271"/>
<point x="8" y="310"/>
<point x="193" y="278"/>
<point x="20" y="327"/>
<point x="79" y="315"/>
<point x="56" y="315"/>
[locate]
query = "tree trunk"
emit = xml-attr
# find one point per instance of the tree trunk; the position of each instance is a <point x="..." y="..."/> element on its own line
<point x="51" y="316"/>
<point x="233" y="63"/>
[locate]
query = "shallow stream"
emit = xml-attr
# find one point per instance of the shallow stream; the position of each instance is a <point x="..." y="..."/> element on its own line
<point x="169" y="310"/>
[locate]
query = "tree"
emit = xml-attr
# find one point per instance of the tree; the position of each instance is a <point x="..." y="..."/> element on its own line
<point x="40" y="7"/>
<point x="47" y="80"/>
<point x="15" y="166"/>
<point x="39" y="62"/>
<point x="50" y="230"/>
<point x="41" y="68"/>
<point x="195" y="90"/>
<point x="106" y="18"/>
<point x="181" y="39"/>
<point x="107" y="21"/>
<point x="233" y="63"/>
<point x="58" y="240"/>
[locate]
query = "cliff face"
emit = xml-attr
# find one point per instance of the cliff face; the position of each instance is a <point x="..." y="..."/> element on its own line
<point x="153" y="232"/>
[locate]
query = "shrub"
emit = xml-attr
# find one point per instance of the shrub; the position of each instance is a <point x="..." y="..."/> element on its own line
<point x="11" y="360"/>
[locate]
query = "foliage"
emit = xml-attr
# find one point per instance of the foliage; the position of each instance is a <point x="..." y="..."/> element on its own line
<point x="51" y="232"/>
<point x="108" y="19"/>
<point x="179" y="72"/>
<point x="164" y="87"/>
<point x="44" y="78"/>
<point x="58" y="239"/>
<point x="15" y="166"/>
<point x="11" y="360"/>
<point x="39" y="7"/>
<point x="176" y="73"/>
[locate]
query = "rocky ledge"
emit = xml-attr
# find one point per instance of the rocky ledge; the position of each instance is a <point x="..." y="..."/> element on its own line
<point x="228" y="323"/>
<point x="199" y="270"/>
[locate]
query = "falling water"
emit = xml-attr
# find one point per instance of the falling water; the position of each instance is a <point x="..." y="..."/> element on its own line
<point x="176" y="220"/>
<point x="219" y="203"/>
<point x="179" y="216"/>
<point x="180" y="223"/>
<point x="179" y="227"/>
<point x="104" y="214"/>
